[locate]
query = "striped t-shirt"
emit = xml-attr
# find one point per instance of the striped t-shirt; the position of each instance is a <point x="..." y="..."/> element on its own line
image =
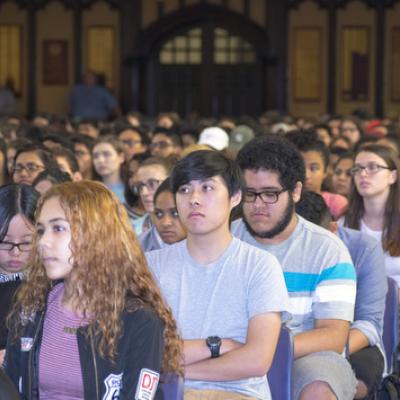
<point x="60" y="375"/>
<point x="318" y="271"/>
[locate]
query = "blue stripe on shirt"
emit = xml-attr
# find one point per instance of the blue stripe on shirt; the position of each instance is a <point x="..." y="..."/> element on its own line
<point x="301" y="282"/>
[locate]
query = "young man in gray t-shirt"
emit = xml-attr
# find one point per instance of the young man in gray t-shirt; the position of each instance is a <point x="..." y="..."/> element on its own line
<point x="226" y="295"/>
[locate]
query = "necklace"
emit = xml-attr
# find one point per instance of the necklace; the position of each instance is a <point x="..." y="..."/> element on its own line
<point x="69" y="330"/>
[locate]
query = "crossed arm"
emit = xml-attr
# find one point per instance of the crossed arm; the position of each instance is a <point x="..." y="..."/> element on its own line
<point x="237" y="360"/>
<point x="328" y="334"/>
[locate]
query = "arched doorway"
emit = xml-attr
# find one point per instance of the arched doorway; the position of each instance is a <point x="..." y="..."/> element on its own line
<point x="204" y="60"/>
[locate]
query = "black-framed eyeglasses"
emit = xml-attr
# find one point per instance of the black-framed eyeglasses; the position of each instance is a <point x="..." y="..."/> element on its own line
<point x="370" y="169"/>
<point x="267" y="196"/>
<point x="162" y="144"/>
<point x="9" y="246"/>
<point x="150" y="184"/>
<point x="30" y="168"/>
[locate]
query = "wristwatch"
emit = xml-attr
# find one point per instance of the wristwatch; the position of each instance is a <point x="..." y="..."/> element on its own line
<point x="214" y="344"/>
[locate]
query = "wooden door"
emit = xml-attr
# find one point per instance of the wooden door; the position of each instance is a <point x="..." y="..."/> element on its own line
<point x="207" y="69"/>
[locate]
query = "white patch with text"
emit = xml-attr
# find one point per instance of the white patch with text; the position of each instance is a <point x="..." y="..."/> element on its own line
<point x="147" y="386"/>
<point x="113" y="386"/>
<point x="26" y="343"/>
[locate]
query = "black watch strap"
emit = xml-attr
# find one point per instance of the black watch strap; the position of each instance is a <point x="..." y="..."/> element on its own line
<point x="214" y="344"/>
<point x="214" y="351"/>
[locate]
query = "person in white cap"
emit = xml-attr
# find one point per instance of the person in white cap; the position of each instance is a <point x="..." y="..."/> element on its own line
<point x="214" y="137"/>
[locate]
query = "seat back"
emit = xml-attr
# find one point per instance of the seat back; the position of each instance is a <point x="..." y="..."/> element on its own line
<point x="280" y="373"/>
<point x="172" y="387"/>
<point x="7" y="388"/>
<point x="390" y="324"/>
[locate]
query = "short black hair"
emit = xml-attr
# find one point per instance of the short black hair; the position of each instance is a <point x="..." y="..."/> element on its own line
<point x="56" y="138"/>
<point x="170" y="133"/>
<point x="69" y="157"/>
<point x="89" y="121"/>
<point x="204" y="164"/>
<point x="54" y="175"/>
<point x="87" y="141"/>
<point x="139" y="130"/>
<point x="164" y="187"/>
<point x="273" y="153"/>
<point x="326" y="127"/>
<point x="189" y="130"/>
<point x="307" y="140"/>
<point x="338" y="151"/>
<point x="313" y="208"/>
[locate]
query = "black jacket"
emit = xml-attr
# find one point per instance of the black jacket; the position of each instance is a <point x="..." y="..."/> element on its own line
<point x="7" y="291"/>
<point x="140" y="348"/>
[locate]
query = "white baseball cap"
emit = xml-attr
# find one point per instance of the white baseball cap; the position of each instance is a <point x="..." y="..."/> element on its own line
<point x="215" y="137"/>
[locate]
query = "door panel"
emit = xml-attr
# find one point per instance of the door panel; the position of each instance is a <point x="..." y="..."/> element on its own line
<point x="208" y="70"/>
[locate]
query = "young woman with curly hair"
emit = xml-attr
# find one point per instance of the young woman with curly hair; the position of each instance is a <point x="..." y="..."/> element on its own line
<point x="90" y="322"/>
<point x="374" y="206"/>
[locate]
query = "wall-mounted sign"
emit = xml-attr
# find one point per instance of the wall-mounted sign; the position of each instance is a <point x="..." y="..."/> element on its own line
<point x="55" y="62"/>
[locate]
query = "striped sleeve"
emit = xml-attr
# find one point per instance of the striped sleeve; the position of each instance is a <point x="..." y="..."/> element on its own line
<point x="335" y="293"/>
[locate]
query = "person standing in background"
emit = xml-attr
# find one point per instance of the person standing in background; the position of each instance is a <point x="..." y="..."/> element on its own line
<point x="91" y="100"/>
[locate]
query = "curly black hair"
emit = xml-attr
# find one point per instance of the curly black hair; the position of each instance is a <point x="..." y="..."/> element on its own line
<point x="273" y="153"/>
<point x="307" y="140"/>
<point x="313" y="208"/>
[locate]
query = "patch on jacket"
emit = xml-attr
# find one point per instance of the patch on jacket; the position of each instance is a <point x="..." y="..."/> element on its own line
<point x="113" y="386"/>
<point x="26" y="318"/>
<point x="147" y="386"/>
<point x="26" y="343"/>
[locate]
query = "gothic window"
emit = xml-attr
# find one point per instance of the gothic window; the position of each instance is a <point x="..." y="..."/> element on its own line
<point x="183" y="49"/>
<point x="231" y="49"/>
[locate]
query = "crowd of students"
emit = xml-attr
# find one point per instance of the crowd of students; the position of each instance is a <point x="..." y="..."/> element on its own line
<point x="145" y="246"/>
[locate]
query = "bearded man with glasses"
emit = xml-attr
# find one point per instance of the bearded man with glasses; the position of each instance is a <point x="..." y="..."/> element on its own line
<point x="317" y="267"/>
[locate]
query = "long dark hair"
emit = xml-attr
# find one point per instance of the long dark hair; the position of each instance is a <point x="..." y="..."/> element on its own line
<point x="391" y="223"/>
<point x="16" y="199"/>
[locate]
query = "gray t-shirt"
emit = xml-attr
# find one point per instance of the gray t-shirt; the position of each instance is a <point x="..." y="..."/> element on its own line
<point x="220" y="298"/>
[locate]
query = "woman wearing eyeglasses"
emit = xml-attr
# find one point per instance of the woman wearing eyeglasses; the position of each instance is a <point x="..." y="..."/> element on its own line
<point x="375" y="201"/>
<point x="17" y="208"/>
<point x="30" y="160"/>
<point x="90" y="322"/>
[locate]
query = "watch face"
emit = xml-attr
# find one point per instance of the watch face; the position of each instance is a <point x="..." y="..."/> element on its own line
<point x="214" y="341"/>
